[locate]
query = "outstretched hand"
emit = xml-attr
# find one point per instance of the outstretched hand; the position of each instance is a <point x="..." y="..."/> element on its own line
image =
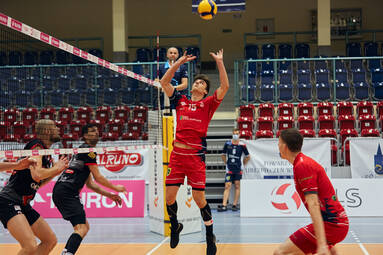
<point x="116" y="198"/>
<point x="25" y="163"/>
<point x="186" y="58"/>
<point x="217" y="56"/>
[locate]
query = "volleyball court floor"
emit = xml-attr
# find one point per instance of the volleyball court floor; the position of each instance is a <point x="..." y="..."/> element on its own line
<point x="235" y="235"/>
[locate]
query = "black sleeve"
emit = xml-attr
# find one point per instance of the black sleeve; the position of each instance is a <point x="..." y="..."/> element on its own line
<point x="89" y="158"/>
<point x="245" y="151"/>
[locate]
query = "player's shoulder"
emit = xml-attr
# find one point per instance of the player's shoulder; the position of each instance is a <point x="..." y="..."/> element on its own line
<point x="242" y="143"/>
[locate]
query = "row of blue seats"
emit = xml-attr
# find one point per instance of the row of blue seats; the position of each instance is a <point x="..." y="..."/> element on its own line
<point x="74" y="97"/>
<point x="308" y="92"/>
<point x="148" y="55"/>
<point x="320" y="76"/>
<point x="302" y="50"/>
<point x="46" y="57"/>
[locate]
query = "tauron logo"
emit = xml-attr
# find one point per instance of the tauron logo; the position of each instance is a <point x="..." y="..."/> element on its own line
<point x="285" y="199"/>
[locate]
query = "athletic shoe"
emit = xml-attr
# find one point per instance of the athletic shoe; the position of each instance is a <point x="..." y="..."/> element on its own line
<point x="175" y="235"/>
<point x="211" y="248"/>
<point x="234" y="208"/>
<point x="222" y="208"/>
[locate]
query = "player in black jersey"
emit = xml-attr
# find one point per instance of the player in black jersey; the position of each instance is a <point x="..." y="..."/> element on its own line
<point x="16" y="214"/>
<point x="19" y="165"/>
<point x="66" y="193"/>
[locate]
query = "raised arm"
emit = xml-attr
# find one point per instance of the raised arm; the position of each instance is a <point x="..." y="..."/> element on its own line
<point x="223" y="79"/>
<point x="39" y="173"/>
<point x="19" y="165"/>
<point x="168" y="76"/>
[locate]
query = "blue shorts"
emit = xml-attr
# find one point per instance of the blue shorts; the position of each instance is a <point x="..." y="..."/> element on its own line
<point x="233" y="176"/>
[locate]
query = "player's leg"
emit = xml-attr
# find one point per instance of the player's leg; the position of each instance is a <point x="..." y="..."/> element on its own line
<point x="237" y="184"/>
<point x="81" y="228"/>
<point x="226" y="193"/>
<point x="288" y="248"/>
<point x="48" y="239"/>
<point x="172" y="207"/>
<point x="334" y="251"/>
<point x="19" y="228"/>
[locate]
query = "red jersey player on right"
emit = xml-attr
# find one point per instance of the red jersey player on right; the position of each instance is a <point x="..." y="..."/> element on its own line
<point x="330" y="223"/>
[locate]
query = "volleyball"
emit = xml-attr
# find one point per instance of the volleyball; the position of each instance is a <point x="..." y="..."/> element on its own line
<point x="207" y="9"/>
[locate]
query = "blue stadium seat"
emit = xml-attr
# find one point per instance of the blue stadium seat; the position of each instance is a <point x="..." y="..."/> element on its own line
<point x="31" y="84"/>
<point x="285" y="78"/>
<point x="56" y="98"/>
<point x="323" y="92"/>
<point x="144" y="95"/>
<point x="62" y="57"/>
<point x="340" y="65"/>
<point x="96" y="52"/>
<point x="353" y="49"/>
<point x="55" y="72"/>
<point x="377" y="76"/>
<point x="304" y="91"/>
<point x="5" y="73"/>
<point x="371" y="49"/>
<point x="303" y="77"/>
<point x="374" y="64"/>
<point x="267" y="79"/>
<point x="22" y="98"/>
<point x="74" y="97"/>
<point x="268" y="51"/>
<point x="5" y="98"/>
<point x="251" y="51"/>
<point x="341" y="76"/>
<point x="78" y="60"/>
<point x="361" y="90"/>
<point x="266" y="92"/>
<point x="343" y="91"/>
<point x="37" y="98"/>
<point x="30" y="58"/>
<point x="320" y="64"/>
<point x="90" y="97"/>
<point x="3" y="58"/>
<point x="116" y="83"/>
<point x="14" y="58"/>
<point x="322" y="76"/>
<point x="356" y="65"/>
<point x="248" y="93"/>
<point x="378" y="90"/>
<point x="47" y="84"/>
<point x="286" y="92"/>
<point x="35" y="73"/>
<point x="267" y="68"/>
<point x="302" y="50"/>
<point x="284" y="51"/>
<point x="13" y="84"/>
<point x="71" y="71"/>
<point x="128" y="96"/>
<point x="251" y="80"/>
<point x="46" y="57"/>
<point x="358" y="76"/>
<point x="63" y="83"/>
<point x="81" y="83"/>
<point x="162" y="55"/>
<point x="143" y="55"/>
<point x="110" y="96"/>
<point x="285" y="66"/>
<point x="303" y="65"/>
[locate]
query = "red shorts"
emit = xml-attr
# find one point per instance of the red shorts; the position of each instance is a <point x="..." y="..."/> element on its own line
<point x="304" y="238"/>
<point x="186" y="162"/>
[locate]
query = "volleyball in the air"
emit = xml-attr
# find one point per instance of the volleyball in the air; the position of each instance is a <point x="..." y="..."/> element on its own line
<point x="207" y="9"/>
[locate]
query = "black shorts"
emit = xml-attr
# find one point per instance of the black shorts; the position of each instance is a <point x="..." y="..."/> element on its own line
<point x="233" y="176"/>
<point x="69" y="204"/>
<point x="9" y="209"/>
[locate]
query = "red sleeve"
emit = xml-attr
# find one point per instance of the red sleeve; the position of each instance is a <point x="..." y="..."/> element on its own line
<point x="306" y="178"/>
<point x="214" y="103"/>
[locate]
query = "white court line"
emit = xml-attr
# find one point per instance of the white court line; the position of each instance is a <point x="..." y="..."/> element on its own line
<point x="157" y="246"/>
<point x="359" y="243"/>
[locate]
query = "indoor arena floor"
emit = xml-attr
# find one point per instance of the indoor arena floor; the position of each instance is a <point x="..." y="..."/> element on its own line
<point x="235" y="235"/>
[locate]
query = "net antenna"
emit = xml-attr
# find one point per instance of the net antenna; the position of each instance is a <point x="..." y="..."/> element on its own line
<point x="48" y="39"/>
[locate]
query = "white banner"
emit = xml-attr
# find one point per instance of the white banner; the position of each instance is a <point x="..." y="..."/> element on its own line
<point x="188" y="212"/>
<point x="126" y="165"/>
<point x="366" y="157"/>
<point x="265" y="162"/>
<point x="278" y="198"/>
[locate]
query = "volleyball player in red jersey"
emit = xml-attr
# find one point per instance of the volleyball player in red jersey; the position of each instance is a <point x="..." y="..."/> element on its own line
<point x="330" y="223"/>
<point x="188" y="155"/>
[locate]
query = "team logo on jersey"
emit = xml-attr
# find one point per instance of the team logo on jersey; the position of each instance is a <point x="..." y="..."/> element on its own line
<point x="285" y="199"/>
<point x="35" y="186"/>
<point x="168" y="172"/>
<point x="183" y="103"/>
<point x="378" y="160"/>
<point x="202" y="105"/>
<point x="92" y="155"/>
<point x="69" y="171"/>
<point x="116" y="161"/>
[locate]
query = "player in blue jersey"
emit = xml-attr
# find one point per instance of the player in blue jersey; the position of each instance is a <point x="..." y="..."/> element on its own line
<point x="232" y="155"/>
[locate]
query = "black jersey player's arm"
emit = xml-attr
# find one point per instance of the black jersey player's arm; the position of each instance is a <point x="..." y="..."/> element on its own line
<point x="40" y="173"/>
<point x="96" y="188"/>
<point x="19" y="165"/>
<point x="168" y="76"/>
<point x="103" y="181"/>
<point x="223" y="79"/>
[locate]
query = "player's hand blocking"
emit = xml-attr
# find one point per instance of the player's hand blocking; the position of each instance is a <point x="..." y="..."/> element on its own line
<point x="62" y="164"/>
<point x="217" y="56"/>
<point x="116" y="198"/>
<point x="185" y="58"/>
<point x="25" y="163"/>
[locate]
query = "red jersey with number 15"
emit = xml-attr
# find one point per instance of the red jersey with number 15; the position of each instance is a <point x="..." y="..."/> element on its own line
<point x="311" y="178"/>
<point x="193" y="118"/>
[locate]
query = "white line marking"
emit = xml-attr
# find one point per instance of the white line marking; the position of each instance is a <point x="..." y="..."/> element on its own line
<point x="157" y="246"/>
<point x="359" y="243"/>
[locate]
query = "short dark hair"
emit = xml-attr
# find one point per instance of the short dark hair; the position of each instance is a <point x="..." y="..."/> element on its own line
<point x="235" y="129"/>
<point x="204" y="78"/>
<point x="292" y="138"/>
<point x="85" y="128"/>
